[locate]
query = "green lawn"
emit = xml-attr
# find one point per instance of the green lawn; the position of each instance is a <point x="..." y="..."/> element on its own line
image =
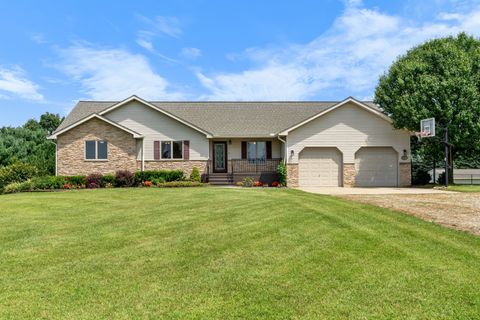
<point x="464" y="188"/>
<point x="210" y="253"/>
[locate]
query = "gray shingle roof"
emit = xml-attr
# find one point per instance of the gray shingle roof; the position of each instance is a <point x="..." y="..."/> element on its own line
<point x="225" y="119"/>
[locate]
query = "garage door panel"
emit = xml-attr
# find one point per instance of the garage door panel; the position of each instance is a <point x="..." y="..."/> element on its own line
<point x="376" y="167"/>
<point x="319" y="167"/>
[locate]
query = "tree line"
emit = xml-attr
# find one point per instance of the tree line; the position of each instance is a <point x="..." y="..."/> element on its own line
<point x="28" y="143"/>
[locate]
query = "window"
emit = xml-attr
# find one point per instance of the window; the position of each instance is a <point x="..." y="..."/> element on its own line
<point x="256" y="151"/>
<point x="96" y="150"/>
<point x="166" y="150"/>
<point x="172" y="149"/>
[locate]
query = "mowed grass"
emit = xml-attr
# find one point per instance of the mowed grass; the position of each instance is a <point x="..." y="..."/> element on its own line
<point x="211" y="253"/>
<point x="464" y="188"/>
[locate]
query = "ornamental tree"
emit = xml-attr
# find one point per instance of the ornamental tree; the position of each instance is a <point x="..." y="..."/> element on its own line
<point x="440" y="79"/>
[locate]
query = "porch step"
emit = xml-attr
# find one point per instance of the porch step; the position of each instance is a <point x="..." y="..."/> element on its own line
<point x="220" y="179"/>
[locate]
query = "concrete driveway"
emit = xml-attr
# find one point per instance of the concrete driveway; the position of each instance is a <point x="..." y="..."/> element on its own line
<point x="347" y="191"/>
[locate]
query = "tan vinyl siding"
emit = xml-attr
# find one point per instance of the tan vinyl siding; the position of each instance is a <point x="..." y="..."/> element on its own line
<point x="347" y="128"/>
<point x="154" y="125"/>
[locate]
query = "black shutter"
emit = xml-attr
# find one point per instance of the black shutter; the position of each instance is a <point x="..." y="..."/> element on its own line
<point x="186" y="150"/>
<point x="156" y="150"/>
<point x="269" y="149"/>
<point x="244" y="149"/>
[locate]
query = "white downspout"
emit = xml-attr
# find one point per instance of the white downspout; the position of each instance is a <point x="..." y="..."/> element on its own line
<point x="284" y="148"/>
<point x="143" y="155"/>
<point x="56" y="159"/>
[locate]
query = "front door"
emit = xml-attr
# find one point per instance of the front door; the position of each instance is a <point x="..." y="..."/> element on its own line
<point x="220" y="156"/>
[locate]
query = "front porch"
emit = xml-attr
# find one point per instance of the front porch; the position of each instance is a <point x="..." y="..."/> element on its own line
<point x="239" y="169"/>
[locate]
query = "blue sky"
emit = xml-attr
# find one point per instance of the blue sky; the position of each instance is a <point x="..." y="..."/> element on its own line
<point x="55" y="53"/>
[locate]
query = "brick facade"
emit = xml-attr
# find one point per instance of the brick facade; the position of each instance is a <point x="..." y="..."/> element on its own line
<point x="405" y="174"/>
<point x="292" y="175"/>
<point x="71" y="149"/>
<point x="349" y="174"/>
<point x="185" y="165"/>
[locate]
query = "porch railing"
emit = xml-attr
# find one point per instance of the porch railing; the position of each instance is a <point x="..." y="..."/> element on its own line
<point x="248" y="166"/>
<point x="254" y="166"/>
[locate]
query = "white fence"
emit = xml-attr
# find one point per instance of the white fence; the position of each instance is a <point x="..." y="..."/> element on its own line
<point x="460" y="176"/>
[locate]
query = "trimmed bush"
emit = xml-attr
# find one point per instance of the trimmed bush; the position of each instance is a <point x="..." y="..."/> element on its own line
<point x="94" y="180"/>
<point x="167" y="175"/>
<point x="76" y="181"/>
<point x="421" y="176"/>
<point x="17" y="172"/>
<point x="282" y="173"/>
<point x="18" y="187"/>
<point x="47" y="183"/>
<point x="180" y="184"/>
<point x="124" y="178"/>
<point x="158" y="180"/>
<point x="195" y="175"/>
<point x="108" y="179"/>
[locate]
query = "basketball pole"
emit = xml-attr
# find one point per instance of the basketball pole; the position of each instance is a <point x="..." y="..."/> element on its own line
<point x="446" y="157"/>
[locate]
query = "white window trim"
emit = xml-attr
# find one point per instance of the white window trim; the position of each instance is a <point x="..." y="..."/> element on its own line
<point x="171" y="151"/>
<point x="96" y="151"/>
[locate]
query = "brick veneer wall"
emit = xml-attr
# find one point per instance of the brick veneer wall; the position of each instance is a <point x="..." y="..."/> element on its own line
<point x="185" y="165"/>
<point x="349" y="174"/>
<point x="71" y="149"/>
<point x="292" y="175"/>
<point x="405" y="174"/>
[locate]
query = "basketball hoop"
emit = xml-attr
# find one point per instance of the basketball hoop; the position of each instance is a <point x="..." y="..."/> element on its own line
<point x="423" y="134"/>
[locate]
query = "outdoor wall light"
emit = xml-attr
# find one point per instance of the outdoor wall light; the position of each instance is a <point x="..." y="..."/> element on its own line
<point x="405" y="154"/>
<point x="230" y="141"/>
<point x="291" y="153"/>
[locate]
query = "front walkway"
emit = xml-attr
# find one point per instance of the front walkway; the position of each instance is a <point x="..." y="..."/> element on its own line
<point x="347" y="191"/>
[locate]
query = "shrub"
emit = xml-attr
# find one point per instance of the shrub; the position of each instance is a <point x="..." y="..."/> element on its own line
<point x="275" y="184"/>
<point x="76" y="181"/>
<point x="108" y="179"/>
<point x="167" y="175"/>
<point x="239" y="184"/>
<point x="94" y="180"/>
<point x="15" y="187"/>
<point x="248" y="182"/>
<point x="158" y="180"/>
<point x="441" y="178"/>
<point x="421" y="176"/>
<point x="124" y="178"/>
<point x="195" y="175"/>
<point x="282" y="173"/>
<point x="147" y="183"/>
<point x="17" y="172"/>
<point x="180" y="184"/>
<point x="47" y="183"/>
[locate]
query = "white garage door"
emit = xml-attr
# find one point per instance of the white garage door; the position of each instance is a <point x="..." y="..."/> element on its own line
<point x="376" y="167"/>
<point x="320" y="167"/>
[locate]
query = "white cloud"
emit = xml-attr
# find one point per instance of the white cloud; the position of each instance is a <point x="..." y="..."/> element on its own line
<point x="109" y="73"/>
<point x="347" y="58"/>
<point x="162" y="25"/>
<point x="145" y="44"/>
<point x="191" y="53"/>
<point x="14" y="83"/>
<point x="38" y="38"/>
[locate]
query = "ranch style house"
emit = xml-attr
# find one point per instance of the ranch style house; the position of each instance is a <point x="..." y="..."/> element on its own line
<point x="343" y="143"/>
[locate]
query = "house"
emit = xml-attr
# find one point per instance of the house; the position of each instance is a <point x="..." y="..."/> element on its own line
<point x="346" y="143"/>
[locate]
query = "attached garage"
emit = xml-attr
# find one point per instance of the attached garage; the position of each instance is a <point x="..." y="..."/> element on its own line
<point x="320" y="167"/>
<point x="376" y="167"/>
